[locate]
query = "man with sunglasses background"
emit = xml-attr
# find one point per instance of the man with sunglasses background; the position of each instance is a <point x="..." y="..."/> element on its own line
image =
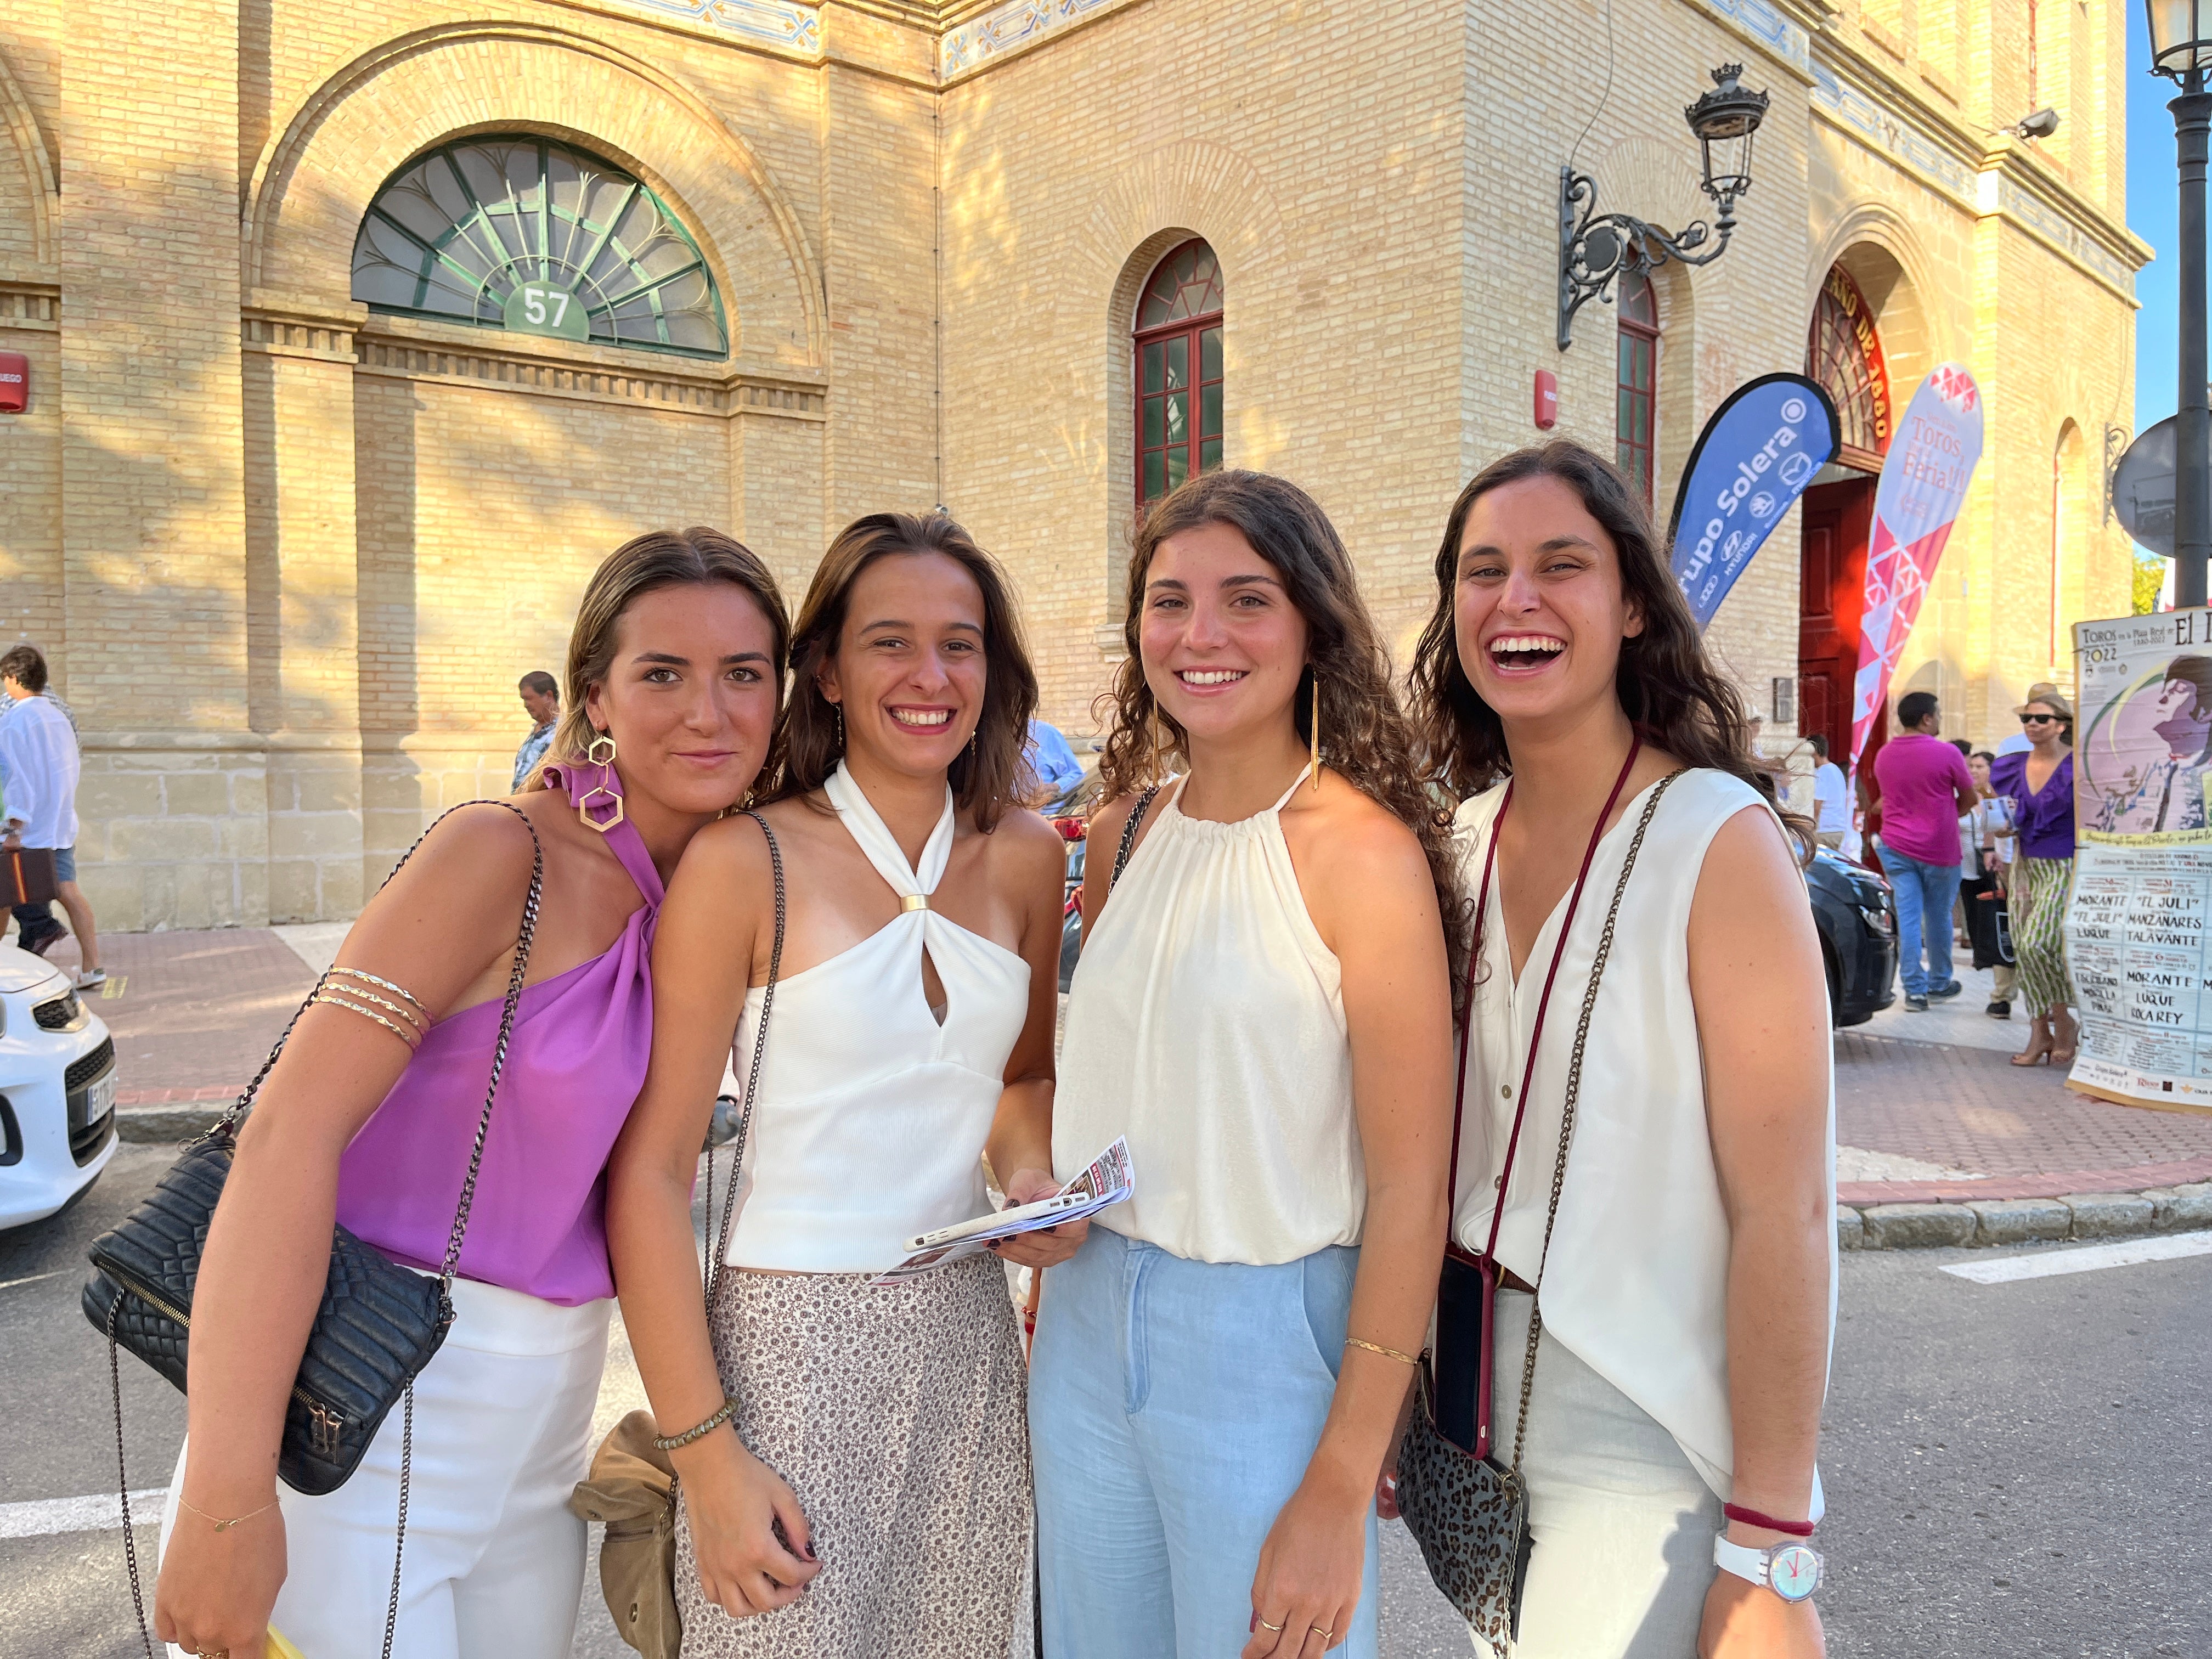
<point x="1925" y="789"/>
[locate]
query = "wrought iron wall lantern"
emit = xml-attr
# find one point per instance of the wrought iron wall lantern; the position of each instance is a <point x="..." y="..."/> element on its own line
<point x="1596" y="248"/>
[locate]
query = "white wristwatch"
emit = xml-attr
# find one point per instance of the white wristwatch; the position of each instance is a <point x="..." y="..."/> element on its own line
<point x="1790" y="1569"/>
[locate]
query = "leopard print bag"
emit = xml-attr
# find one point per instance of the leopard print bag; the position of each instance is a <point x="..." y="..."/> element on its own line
<point x="1468" y="1513"/>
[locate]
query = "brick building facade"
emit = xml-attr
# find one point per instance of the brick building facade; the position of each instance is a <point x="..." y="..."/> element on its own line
<point x="289" y="533"/>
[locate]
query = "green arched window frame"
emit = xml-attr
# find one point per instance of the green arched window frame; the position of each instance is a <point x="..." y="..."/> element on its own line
<point x="527" y="234"/>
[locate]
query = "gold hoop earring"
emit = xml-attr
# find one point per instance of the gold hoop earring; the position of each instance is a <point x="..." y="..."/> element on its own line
<point x="605" y="763"/>
<point x="1313" y="766"/>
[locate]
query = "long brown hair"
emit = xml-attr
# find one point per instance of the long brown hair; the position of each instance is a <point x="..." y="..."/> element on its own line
<point x="987" y="776"/>
<point x="1667" y="685"/>
<point x="657" y="559"/>
<point x="1365" y="737"/>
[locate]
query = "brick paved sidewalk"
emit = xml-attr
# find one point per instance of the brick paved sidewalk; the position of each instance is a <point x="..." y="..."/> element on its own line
<point x="1945" y="1121"/>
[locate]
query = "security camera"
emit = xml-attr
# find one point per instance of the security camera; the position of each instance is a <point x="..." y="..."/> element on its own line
<point x="2040" y="124"/>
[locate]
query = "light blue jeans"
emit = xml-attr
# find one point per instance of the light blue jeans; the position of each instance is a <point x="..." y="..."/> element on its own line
<point x="1924" y="895"/>
<point x="1173" y="1407"/>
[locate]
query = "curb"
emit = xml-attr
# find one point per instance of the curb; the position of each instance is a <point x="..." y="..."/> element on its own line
<point x="180" y="1121"/>
<point x="1979" y="1224"/>
<point x="1985" y="1222"/>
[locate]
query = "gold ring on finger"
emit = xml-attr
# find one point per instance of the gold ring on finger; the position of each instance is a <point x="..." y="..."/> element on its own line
<point x="1264" y="1625"/>
<point x="1325" y="1635"/>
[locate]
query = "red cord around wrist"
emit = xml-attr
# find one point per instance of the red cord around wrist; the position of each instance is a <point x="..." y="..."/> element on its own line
<point x="1753" y="1518"/>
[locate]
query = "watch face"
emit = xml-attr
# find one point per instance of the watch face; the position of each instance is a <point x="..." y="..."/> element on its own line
<point x="1793" y="1571"/>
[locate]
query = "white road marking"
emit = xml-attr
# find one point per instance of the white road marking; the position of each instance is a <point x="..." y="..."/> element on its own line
<point x="2088" y="1258"/>
<point x="11" y="1284"/>
<point x="97" y="1514"/>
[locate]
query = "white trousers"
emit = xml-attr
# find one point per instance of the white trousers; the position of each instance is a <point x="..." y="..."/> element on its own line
<point x="1622" y="1524"/>
<point x="494" y="1561"/>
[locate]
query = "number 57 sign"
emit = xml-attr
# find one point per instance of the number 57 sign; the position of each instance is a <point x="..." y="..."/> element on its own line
<point x="542" y="308"/>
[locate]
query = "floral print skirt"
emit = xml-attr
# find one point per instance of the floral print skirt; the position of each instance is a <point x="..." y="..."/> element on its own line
<point x="899" y="1417"/>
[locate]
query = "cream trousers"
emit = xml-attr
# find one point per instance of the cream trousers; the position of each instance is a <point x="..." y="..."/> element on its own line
<point x="495" y="1562"/>
<point x="1623" y="1526"/>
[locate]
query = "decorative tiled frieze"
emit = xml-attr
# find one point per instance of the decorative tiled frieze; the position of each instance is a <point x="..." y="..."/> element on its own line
<point x="1767" y="25"/>
<point x="1899" y="139"/>
<point x="321" y="338"/>
<point x="2002" y="194"/>
<point x="773" y="23"/>
<point x="697" y="394"/>
<point x="1012" y="28"/>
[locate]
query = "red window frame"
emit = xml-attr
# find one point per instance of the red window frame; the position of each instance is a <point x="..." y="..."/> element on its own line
<point x="1636" y="405"/>
<point x="1177" y="381"/>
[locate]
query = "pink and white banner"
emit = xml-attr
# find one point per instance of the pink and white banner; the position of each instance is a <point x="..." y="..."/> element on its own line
<point x="1931" y="460"/>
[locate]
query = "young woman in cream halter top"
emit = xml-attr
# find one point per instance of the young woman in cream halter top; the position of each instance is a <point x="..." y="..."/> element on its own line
<point x="860" y="1484"/>
<point x="1687" y="1289"/>
<point x="1262" y="1009"/>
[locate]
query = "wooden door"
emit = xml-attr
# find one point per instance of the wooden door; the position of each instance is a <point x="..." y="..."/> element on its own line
<point x="1831" y="590"/>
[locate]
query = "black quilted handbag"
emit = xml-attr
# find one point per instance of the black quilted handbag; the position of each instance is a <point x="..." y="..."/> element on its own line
<point x="377" y="1327"/>
<point x="1467" y="1512"/>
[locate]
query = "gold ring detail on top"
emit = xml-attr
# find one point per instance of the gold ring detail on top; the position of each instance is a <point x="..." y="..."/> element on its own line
<point x="677" y="1442"/>
<point x="914" y="901"/>
<point x="1325" y="1635"/>
<point x="1264" y="1625"/>
<point x="221" y="1525"/>
<point x="1377" y="1347"/>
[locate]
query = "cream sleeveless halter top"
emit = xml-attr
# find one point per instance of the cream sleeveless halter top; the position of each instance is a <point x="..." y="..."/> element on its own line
<point x="1205" y="1024"/>
<point x="872" y="1114"/>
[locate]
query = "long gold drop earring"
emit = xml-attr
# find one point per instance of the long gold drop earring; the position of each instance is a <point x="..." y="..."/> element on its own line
<point x="838" y="710"/>
<point x="605" y="763"/>
<point x="1312" y="767"/>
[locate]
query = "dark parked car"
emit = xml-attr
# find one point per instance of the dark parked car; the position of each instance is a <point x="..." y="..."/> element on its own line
<point x="1857" y="919"/>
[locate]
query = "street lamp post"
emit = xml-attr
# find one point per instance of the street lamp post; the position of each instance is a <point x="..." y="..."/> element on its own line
<point x="2181" y="50"/>
<point x="1596" y="248"/>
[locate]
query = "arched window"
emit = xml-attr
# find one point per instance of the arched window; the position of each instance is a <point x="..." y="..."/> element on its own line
<point x="1635" y="396"/>
<point x="1178" y="349"/>
<point x="539" y="238"/>
<point x="1844" y="354"/>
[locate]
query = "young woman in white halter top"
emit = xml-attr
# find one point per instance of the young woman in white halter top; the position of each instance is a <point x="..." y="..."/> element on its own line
<point x="861" y="1485"/>
<point x="1262" y="1008"/>
<point x="1685" y="1298"/>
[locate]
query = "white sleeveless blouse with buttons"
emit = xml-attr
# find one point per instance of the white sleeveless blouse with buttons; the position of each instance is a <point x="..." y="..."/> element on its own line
<point x="1637" y="1282"/>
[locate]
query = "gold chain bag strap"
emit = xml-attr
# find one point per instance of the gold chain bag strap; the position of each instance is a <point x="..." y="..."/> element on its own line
<point x="631" y="1488"/>
<point x="1469" y="1515"/>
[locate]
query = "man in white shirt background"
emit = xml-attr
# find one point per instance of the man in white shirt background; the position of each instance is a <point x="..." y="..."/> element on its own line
<point x="1832" y="804"/>
<point x="39" y="755"/>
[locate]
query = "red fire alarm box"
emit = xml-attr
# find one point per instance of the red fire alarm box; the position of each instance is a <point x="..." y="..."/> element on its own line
<point x="14" y="382"/>
<point x="1547" y="399"/>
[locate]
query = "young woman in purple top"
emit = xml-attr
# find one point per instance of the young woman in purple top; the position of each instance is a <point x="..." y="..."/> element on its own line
<point x="2040" y="784"/>
<point x="674" y="676"/>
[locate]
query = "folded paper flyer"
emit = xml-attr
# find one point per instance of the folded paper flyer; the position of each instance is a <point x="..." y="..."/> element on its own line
<point x="1108" y="1179"/>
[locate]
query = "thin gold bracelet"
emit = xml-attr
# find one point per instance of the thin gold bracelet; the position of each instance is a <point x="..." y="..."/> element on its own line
<point x="1377" y="1347"/>
<point x="221" y="1525"/>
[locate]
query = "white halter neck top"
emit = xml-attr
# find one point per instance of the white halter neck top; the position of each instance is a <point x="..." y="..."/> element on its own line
<point x="1207" y="1023"/>
<point x="871" y="1115"/>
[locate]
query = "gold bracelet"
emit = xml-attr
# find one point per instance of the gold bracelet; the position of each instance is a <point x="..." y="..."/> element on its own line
<point x="221" y="1525"/>
<point x="1377" y="1347"/>
<point x="677" y="1442"/>
<point x="334" y="996"/>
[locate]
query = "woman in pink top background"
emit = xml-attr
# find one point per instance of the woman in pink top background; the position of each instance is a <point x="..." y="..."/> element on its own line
<point x="1926" y="790"/>
<point x="674" y="676"/>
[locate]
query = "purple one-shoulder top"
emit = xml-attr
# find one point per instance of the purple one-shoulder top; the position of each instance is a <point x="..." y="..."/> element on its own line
<point x="577" y="1060"/>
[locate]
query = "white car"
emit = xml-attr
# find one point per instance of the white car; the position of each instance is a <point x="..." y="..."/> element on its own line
<point x="57" y="1090"/>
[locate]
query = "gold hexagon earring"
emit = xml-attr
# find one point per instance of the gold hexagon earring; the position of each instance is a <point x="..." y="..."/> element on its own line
<point x="604" y="762"/>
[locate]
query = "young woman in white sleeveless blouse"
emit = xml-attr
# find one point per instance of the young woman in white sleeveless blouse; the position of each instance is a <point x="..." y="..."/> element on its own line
<point x="1261" y="1009"/>
<point x="1688" y="1294"/>
<point x="868" y="1492"/>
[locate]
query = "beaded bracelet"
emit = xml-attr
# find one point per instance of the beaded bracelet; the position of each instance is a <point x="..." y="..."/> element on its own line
<point x="677" y="1442"/>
